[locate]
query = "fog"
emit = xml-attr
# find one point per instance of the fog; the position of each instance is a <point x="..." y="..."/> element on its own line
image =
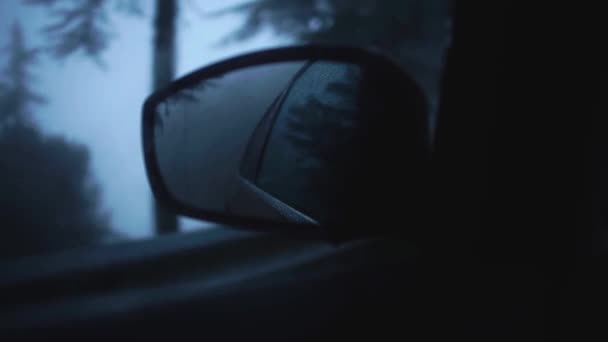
<point x="98" y="104"/>
<point x="95" y="89"/>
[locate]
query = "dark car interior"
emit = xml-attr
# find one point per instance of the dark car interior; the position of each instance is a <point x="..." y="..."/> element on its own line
<point x="502" y="254"/>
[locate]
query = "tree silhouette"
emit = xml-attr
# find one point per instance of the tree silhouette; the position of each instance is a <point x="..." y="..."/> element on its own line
<point x="315" y="135"/>
<point x="84" y="25"/>
<point x="16" y="95"/>
<point x="323" y="133"/>
<point x="344" y="139"/>
<point x="321" y="136"/>
<point x="48" y="201"/>
<point x="385" y="24"/>
<point x="414" y="32"/>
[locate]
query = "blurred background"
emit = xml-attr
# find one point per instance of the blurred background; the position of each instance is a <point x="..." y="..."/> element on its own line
<point x="74" y="75"/>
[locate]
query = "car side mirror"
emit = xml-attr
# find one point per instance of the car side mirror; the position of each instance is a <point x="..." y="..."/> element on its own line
<point x="312" y="140"/>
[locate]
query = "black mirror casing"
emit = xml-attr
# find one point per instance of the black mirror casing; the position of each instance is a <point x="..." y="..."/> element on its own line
<point x="406" y="140"/>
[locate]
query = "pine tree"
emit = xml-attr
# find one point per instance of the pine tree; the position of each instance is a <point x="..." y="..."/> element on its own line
<point x="48" y="201"/>
<point x="415" y="32"/>
<point x="314" y="140"/>
<point x="84" y="26"/>
<point x="16" y="96"/>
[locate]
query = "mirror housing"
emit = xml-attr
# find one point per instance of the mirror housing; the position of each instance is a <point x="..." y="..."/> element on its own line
<point x="377" y="188"/>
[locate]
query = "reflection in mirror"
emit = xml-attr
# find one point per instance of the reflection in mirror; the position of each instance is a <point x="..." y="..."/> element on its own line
<point x="312" y="135"/>
<point x="201" y="132"/>
<point x="277" y="141"/>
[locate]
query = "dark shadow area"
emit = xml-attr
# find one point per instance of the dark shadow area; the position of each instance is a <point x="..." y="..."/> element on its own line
<point x="48" y="200"/>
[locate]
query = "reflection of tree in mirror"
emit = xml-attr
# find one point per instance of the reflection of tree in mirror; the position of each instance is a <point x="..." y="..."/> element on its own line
<point x="192" y="94"/>
<point x="321" y="135"/>
<point x="185" y="96"/>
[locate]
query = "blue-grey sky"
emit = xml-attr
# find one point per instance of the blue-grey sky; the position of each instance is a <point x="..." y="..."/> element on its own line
<point x="101" y="107"/>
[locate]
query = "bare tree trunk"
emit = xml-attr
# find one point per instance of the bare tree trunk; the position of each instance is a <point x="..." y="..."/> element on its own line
<point x="163" y="73"/>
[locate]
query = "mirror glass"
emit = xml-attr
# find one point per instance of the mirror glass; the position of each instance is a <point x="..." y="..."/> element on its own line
<point x="278" y="141"/>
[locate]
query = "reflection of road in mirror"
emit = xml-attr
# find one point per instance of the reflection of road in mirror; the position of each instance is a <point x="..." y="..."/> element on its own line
<point x="202" y="142"/>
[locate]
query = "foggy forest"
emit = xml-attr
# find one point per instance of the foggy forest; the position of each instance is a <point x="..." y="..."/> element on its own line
<point x="74" y="74"/>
